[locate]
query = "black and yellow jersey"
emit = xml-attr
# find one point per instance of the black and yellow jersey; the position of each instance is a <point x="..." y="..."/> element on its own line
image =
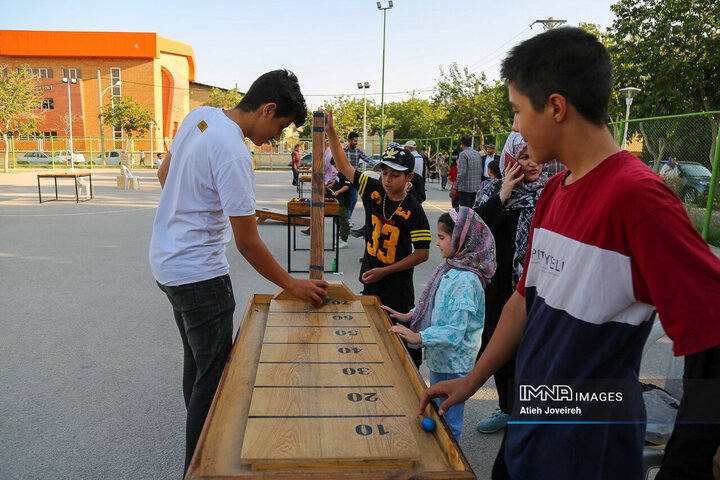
<point x="390" y="239"/>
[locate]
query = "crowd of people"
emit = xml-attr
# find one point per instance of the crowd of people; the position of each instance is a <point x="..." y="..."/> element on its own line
<point x="549" y="274"/>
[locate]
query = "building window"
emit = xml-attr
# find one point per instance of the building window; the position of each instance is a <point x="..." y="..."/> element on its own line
<point x="49" y="134"/>
<point x="72" y="73"/>
<point x="48" y="104"/>
<point x="116" y="89"/>
<point x="117" y="134"/>
<point x="40" y="72"/>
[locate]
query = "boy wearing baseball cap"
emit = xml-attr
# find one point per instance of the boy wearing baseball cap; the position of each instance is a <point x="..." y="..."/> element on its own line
<point x="397" y="232"/>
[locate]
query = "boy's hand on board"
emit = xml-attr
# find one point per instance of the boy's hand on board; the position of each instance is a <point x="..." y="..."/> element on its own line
<point x="313" y="291"/>
<point x="455" y="391"/>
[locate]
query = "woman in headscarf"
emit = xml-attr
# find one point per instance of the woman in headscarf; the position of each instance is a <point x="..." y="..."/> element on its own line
<point x="507" y="206"/>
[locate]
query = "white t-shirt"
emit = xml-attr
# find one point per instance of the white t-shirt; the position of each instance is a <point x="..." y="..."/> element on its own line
<point x="418" y="170"/>
<point x="210" y="178"/>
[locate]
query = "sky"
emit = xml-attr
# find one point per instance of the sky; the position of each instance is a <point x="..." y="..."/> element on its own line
<point x="331" y="45"/>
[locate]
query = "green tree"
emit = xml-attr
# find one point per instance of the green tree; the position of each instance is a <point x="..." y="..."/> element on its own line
<point x="471" y="104"/>
<point x="221" y="98"/>
<point x="132" y="117"/>
<point x="20" y="101"/>
<point x="348" y="116"/>
<point x="668" y="49"/>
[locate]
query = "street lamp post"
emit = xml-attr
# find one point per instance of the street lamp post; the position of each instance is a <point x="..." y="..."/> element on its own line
<point x="151" y="127"/>
<point x="364" y="86"/>
<point x="630" y="92"/>
<point x="382" y="91"/>
<point x="69" y="80"/>
<point x="101" y="92"/>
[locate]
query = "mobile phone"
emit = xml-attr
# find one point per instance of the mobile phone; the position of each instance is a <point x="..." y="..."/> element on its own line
<point x="510" y="161"/>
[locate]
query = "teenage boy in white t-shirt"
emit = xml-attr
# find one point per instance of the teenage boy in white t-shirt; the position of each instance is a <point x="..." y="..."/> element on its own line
<point x="208" y="186"/>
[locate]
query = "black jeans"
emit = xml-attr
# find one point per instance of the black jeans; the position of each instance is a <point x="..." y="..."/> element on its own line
<point x="204" y="315"/>
<point x="467" y="199"/>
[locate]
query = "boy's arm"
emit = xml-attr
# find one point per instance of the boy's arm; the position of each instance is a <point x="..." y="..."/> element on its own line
<point x="251" y="247"/>
<point x="163" y="170"/>
<point x="341" y="162"/>
<point x="342" y="190"/>
<point x="416" y="258"/>
<point x="502" y="346"/>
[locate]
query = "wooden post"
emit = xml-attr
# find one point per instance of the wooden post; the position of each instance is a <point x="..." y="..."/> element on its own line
<point x="317" y="206"/>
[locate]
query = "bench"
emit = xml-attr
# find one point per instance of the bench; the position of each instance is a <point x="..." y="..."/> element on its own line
<point x="265" y="213"/>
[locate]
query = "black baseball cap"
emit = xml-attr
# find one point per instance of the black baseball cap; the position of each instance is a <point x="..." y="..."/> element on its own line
<point x="399" y="159"/>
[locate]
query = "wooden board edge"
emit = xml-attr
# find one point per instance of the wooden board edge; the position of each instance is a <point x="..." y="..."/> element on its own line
<point x="337" y="290"/>
<point x="448" y="443"/>
<point x="336" y="466"/>
<point x="195" y="461"/>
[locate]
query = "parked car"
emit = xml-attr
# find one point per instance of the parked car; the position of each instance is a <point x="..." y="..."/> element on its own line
<point x="112" y="157"/>
<point x="695" y="181"/>
<point x="34" y="158"/>
<point x="63" y="156"/>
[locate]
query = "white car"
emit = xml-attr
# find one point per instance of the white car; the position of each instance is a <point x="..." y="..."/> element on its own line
<point x="112" y="157"/>
<point x="63" y="156"/>
<point x="35" y="158"/>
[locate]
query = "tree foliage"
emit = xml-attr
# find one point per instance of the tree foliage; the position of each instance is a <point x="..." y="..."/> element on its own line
<point x="472" y="105"/>
<point x="20" y="101"/>
<point x="132" y="117"/>
<point x="668" y="49"/>
<point x="222" y="98"/>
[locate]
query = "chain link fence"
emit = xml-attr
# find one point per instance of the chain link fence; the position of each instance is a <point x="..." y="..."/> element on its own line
<point x="683" y="150"/>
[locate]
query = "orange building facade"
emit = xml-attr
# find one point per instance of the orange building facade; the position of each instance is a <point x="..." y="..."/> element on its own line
<point x="154" y="71"/>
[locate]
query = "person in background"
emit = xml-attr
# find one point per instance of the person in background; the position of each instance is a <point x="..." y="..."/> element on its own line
<point x="452" y="175"/>
<point x="469" y="173"/>
<point x="487" y="158"/>
<point x="295" y="163"/>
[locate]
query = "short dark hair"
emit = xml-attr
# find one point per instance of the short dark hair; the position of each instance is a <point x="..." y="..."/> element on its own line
<point x="280" y="87"/>
<point x="466" y="140"/>
<point x="568" y="61"/>
<point x="494" y="167"/>
<point x="448" y="224"/>
<point x="353" y="135"/>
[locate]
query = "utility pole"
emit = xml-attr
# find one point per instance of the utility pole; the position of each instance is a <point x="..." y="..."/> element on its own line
<point x="549" y="23"/>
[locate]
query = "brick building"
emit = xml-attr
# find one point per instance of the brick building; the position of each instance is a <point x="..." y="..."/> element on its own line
<point x="155" y="71"/>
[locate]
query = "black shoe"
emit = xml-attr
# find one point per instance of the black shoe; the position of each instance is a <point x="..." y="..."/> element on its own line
<point x="306" y="231"/>
<point x="360" y="232"/>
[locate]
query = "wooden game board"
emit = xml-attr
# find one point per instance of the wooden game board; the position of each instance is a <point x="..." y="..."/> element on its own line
<point x="321" y="393"/>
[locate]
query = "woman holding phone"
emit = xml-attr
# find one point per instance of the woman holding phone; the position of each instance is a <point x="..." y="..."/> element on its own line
<point x="507" y="206"/>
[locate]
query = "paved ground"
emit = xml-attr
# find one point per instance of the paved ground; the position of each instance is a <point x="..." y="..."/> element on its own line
<point x="90" y="358"/>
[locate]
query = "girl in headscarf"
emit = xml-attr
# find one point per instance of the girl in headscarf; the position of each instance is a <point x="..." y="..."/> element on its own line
<point x="449" y="318"/>
<point x="507" y="206"/>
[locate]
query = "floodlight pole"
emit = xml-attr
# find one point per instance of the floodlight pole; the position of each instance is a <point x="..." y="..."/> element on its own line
<point x="382" y="88"/>
<point x="101" y="92"/>
<point x="364" y="86"/>
<point x="69" y="80"/>
<point x="630" y="92"/>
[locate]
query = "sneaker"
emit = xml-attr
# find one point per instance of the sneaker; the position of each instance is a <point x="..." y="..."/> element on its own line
<point x="351" y="224"/>
<point x="342" y="244"/>
<point x="496" y="421"/>
<point x="360" y="232"/>
<point x="306" y="231"/>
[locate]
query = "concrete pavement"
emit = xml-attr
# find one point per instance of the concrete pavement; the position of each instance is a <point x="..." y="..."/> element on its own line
<point x="90" y="358"/>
